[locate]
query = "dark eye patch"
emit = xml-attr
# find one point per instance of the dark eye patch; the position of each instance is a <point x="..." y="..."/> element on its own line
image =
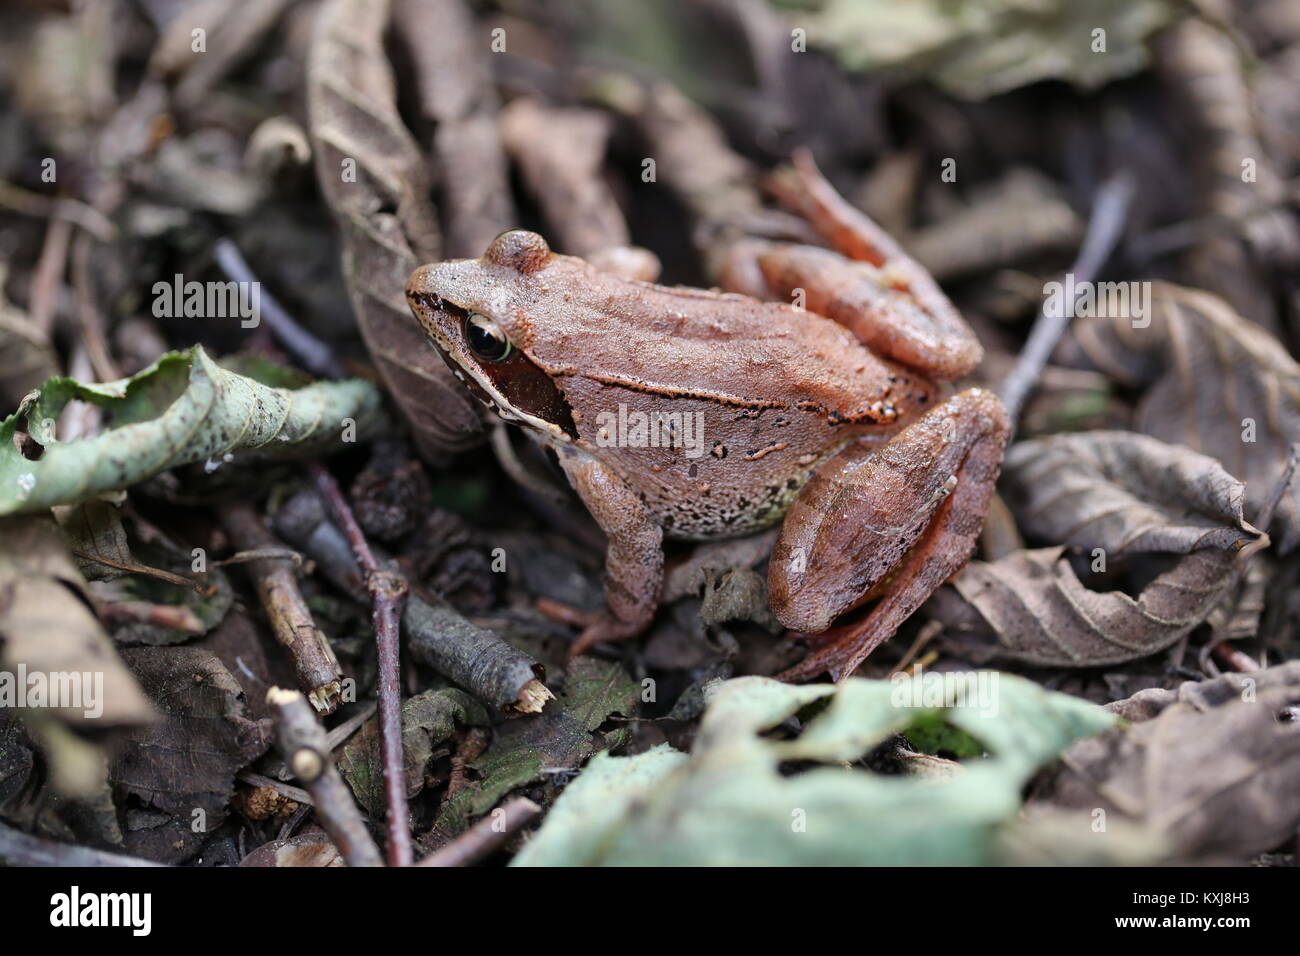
<point x="523" y="384"/>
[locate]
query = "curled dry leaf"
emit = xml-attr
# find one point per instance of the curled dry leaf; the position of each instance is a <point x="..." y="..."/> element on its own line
<point x="1216" y="383"/>
<point x="184" y="408"/>
<point x="1039" y="612"/>
<point x="373" y="177"/>
<point x="1213" y="766"/>
<point x="560" y="153"/>
<point x="1109" y="494"/>
<point x="1124" y="492"/>
<point x="456" y="93"/>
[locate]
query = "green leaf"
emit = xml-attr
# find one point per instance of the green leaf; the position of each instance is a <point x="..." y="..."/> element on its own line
<point x="526" y="750"/>
<point x="182" y="409"/>
<point x="735" y="801"/>
<point x="429" y="720"/>
<point x="595" y="804"/>
<point x="978" y="48"/>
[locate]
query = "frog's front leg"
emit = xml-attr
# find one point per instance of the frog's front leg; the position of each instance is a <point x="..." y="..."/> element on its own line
<point x="912" y="509"/>
<point x="634" y="558"/>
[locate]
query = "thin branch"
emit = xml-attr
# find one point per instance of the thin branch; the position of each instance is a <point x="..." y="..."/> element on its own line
<point x="47" y="281"/>
<point x="296" y="794"/>
<point x="436" y="634"/>
<point x="388" y="593"/>
<point x="1104" y="231"/>
<point x="273" y="575"/>
<point x="23" y="849"/>
<point x="486" y="835"/>
<point x="315" y="355"/>
<point x="302" y="742"/>
<point x="28" y="203"/>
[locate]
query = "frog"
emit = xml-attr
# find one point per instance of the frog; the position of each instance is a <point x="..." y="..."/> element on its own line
<point x="811" y="389"/>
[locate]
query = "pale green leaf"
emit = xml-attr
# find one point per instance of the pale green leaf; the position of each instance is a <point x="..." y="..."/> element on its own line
<point x="746" y="796"/>
<point x="182" y="409"/>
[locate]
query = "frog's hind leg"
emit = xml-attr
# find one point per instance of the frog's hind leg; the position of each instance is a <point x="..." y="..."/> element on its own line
<point x="865" y="281"/>
<point x="913" y="510"/>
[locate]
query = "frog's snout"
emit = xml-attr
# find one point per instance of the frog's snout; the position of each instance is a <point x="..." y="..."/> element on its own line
<point x="423" y="282"/>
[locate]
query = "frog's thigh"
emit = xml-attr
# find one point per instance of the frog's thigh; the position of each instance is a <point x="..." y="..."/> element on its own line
<point x="634" y="559"/>
<point x="914" y="507"/>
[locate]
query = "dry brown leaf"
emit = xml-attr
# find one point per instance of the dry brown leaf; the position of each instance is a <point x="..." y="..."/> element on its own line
<point x="453" y="81"/>
<point x="1212" y="377"/>
<point x="26" y="356"/>
<point x="302" y="849"/>
<point x="173" y="780"/>
<point x="1124" y="492"/>
<point x="1213" y="766"/>
<point x="1109" y="494"/>
<point x="1041" y="613"/>
<point x="373" y="177"/>
<point x="47" y="625"/>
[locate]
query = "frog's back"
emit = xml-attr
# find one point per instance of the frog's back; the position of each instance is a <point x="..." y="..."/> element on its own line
<point x="714" y="408"/>
<point x="676" y="341"/>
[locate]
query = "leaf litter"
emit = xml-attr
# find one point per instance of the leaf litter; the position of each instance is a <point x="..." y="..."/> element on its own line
<point x="1136" y="583"/>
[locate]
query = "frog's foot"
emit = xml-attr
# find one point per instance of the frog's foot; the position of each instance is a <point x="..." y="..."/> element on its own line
<point x="634" y="559"/>
<point x="866" y="282"/>
<point x="913" y="508"/>
<point x="597" y="627"/>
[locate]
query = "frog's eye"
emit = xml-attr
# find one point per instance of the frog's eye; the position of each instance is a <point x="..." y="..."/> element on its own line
<point x="485" y="338"/>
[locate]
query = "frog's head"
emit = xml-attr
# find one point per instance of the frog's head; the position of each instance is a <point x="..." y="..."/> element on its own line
<point x="476" y="311"/>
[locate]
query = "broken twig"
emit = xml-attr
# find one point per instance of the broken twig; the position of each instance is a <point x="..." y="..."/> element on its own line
<point x="486" y="835"/>
<point x="314" y="662"/>
<point x="303" y="745"/>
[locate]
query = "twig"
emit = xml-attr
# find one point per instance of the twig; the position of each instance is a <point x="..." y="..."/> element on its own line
<point x="296" y="794"/>
<point x="316" y="356"/>
<point x="43" y="301"/>
<point x="178" y="617"/>
<point x="314" y="662"/>
<point x="28" y="203"/>
<point x="388" y="592"/>
<point x="23" y="849"/>
<point x="491" y="668"/>
<point x="339" y="733"/>
<point x="476" y="659"/>
<point x="89" y="317"/>
<point x="302" y="743"/>
<point x="1104" y="230"/>
<point x="486" y="835"/>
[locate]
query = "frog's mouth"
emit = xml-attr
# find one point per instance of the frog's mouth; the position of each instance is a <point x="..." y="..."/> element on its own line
<point x="516" y="389"/>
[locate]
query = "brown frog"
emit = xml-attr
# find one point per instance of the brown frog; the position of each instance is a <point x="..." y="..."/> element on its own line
<point x="697" y="414"/>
